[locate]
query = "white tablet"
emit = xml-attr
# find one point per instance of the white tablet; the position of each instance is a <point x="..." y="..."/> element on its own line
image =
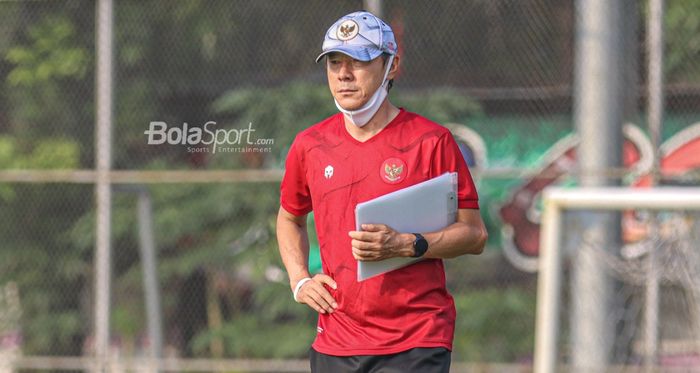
<point x="424" y="207"/>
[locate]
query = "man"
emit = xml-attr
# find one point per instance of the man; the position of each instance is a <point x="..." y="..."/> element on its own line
<point x="402" y="321"/>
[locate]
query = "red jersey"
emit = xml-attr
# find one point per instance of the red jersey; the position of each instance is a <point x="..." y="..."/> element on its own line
<point x="330" y="172"/>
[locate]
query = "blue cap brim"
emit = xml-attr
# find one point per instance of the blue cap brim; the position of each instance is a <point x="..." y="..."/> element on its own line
<point x="360" y="54"/>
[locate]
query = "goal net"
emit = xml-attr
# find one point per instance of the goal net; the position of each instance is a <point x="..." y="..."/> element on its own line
<point x="619" y="280"/>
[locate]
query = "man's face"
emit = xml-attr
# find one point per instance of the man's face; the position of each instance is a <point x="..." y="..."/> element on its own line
<point x="353" y="82"/>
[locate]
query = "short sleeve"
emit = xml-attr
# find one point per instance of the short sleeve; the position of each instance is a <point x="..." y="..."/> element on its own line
<point x="295" y="196"/>
<point x="448" y="158"/>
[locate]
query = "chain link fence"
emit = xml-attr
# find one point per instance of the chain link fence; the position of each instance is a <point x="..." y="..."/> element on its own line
<point x="499" y="73"/>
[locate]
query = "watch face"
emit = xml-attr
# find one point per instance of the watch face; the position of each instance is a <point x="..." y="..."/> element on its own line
<point x="420" y="245"/>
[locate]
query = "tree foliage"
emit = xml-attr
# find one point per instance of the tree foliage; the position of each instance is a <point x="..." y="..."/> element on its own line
<point x="682" y="36"/>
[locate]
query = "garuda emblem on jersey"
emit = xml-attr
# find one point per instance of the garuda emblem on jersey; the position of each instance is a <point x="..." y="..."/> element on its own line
<point x="393" y="170"/>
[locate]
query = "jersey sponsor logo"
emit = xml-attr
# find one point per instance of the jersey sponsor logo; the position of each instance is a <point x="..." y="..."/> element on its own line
<point x="347" y="30"/>
<point x="328" y="172"/>
<point x="393" y="170"/>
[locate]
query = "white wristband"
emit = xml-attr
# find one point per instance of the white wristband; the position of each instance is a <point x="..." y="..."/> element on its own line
<point x="299" y="285"/>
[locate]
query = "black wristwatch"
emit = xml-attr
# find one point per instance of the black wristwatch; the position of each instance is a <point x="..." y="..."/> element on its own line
<point x="420" y="245"/>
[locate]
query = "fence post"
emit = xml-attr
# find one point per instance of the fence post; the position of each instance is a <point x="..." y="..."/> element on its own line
<point x="655" y="109"/>
<point x="103" y="192"/>
<point x="598" y="115"/>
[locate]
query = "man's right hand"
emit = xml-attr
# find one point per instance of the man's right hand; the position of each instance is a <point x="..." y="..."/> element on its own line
<point x="315" y="295"/>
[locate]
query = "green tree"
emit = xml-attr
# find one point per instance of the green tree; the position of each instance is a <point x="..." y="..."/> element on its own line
<point x="682" y="34"/>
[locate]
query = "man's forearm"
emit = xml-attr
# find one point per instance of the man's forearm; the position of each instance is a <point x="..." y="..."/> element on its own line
<point x="379" y="241"/>
<point x="293" y="242"/>
<point x="455" y="240"/>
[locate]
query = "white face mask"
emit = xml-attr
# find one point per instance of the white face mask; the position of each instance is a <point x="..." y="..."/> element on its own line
<point x="362" y="116"/>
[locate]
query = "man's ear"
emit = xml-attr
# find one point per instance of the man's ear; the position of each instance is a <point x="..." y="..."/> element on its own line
<point x="394" y="67"/>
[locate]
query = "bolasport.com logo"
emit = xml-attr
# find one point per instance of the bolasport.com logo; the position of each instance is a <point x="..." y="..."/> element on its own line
<point x="207" y="139"/>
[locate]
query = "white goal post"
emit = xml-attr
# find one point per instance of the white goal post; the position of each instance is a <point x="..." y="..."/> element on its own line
<point x="555" y="201"/>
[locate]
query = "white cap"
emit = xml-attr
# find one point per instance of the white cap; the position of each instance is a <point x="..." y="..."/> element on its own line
<point x="360" y="35"/>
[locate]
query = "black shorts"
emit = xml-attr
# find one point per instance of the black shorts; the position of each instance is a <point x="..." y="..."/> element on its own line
<point x="418" y="360"/>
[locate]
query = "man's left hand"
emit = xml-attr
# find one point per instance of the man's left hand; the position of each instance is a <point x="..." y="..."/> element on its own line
<point x="378" y="242"/>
